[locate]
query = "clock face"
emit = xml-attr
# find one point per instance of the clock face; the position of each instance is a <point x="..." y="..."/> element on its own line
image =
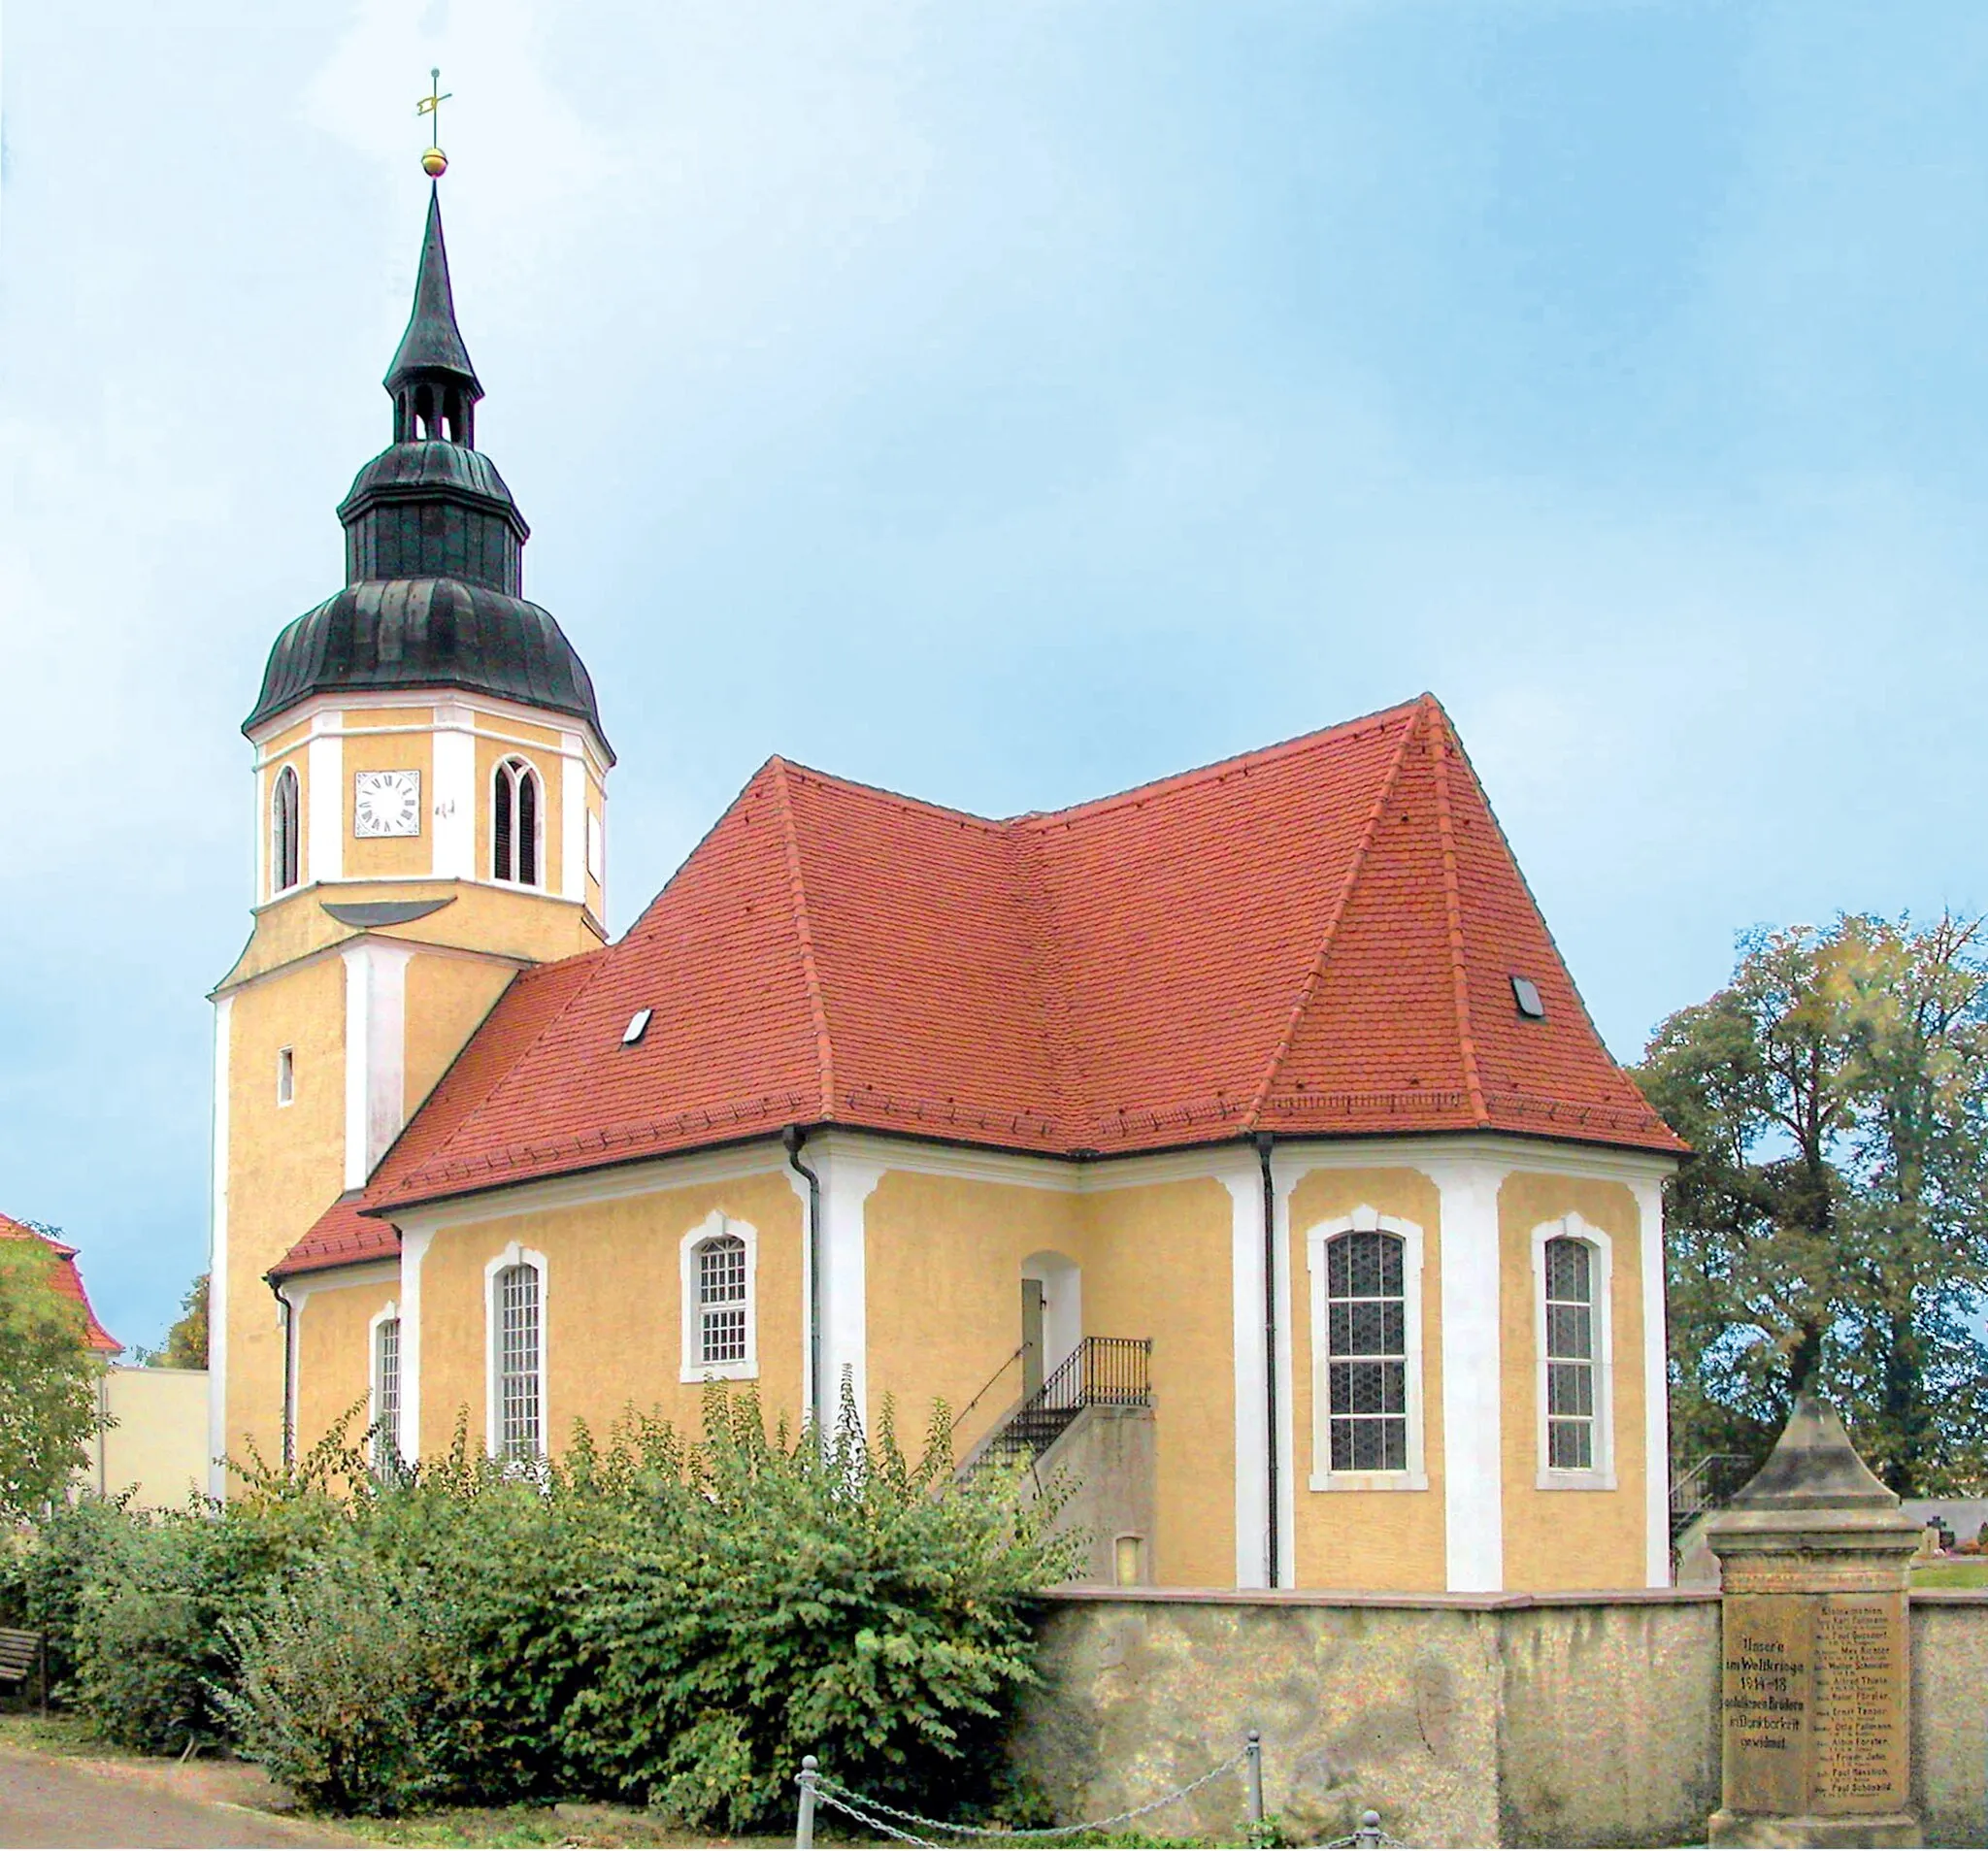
<point x="386" y="803"/>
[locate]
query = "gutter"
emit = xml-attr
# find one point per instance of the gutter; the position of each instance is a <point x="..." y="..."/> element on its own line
<point x="794" y="1138"/>
<point x="1265" y="1142"/>
<point x="289" y="1372"/>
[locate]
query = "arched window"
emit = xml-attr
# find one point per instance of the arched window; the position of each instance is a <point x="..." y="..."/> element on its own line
<point x="519" y="1388"/>
<point x="1366" y="1352"/>
<point x="515" y="824"/>
<point x="385" y="1433"/>
<point x="1570" y="1399"/>
<point x="285" y="833"/>
<point x="720" y="1337"/>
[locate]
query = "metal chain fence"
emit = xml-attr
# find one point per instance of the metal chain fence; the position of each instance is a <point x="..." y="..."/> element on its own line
<point x="904" y="1827"/>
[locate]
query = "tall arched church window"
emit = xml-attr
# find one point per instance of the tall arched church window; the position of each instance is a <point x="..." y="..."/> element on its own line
<point x="720" y="1337"/>
<point x="520" y="1390"/>
<point x="515" y="814"/>
<point x="1570" y="1400"/>
<point x="284" y="832"/>
<point x="1366" y="1352"/>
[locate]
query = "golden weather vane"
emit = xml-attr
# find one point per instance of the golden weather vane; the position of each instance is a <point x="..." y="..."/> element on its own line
<point x="434" y="162"/>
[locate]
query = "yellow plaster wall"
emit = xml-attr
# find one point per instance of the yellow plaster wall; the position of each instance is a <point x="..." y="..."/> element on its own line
<point x="390" y="716"/>
<point x="942" y="1258"/>
<point x="446" y="997"/>
<point x="334" y="1358"/>
<point x="379" y="857"/>
<point x="612" y="1307"/>
<point x="1160" y="1266"/>
<point x="1555" y="1539"/>
<point x="285" y="1164"/>
<point x="1380" y="1540"/>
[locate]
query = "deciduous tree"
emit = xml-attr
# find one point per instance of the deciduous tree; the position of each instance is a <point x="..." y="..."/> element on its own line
<point x="48" y="1380"/>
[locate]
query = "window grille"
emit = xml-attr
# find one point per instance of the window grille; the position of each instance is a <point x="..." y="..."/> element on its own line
<point x="722" y="1301"/>
<point x="515" y="824"/>
<point x="518" y="1363"/>
<point x="284" y="832"/>
<point x="1367" y="1360"/>
<point x="387" y="1393"/>
<point x="1569" y="1355"/>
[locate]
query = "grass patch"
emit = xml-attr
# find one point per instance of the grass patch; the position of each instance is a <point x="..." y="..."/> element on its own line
<point x="57" y="1734"/>
<point x="610" y="1828"/>
<point x="1952" y="1574"/>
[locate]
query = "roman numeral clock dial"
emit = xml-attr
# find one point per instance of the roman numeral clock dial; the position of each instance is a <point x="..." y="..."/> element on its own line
<point x="386" y="803"/>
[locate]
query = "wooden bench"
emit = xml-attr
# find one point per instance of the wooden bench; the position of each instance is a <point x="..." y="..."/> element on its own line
<point x="23" y="1653"/>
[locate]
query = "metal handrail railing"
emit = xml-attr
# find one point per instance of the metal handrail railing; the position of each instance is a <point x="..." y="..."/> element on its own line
<point x="1101" y="1372"/>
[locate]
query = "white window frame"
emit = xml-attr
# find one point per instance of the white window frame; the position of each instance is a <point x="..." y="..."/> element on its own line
<point x="493" y="1314"/>
<point x="388" y="1313"/>
<point x="277" y="886"/>
<point x="509" y="771"/>
<point x="1366" y="1220"/>
<point x="1601" y="1476"/>
<point x="691" y="1369"/>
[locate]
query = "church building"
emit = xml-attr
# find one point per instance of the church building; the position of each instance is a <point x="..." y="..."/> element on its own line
<point x="1238" y="1144"/>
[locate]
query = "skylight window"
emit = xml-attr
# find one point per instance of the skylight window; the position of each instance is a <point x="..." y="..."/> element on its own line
<point x="637" y="1027"/>
<point x="1526" y="994"/>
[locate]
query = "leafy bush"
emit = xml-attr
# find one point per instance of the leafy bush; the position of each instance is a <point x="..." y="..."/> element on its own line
<point x="345" y="1686"/>
<point x="670" y="1620"/>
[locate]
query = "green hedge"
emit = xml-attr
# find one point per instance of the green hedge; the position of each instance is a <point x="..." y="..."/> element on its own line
<point x="659" y="1619"/>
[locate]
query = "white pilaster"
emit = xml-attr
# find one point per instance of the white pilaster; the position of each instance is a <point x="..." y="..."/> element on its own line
<point x="324" y="767"/>
<point x="376" y="1051"/>
<point x="218" y="1308"/>
<point x="455" y="793"/>
<point x="846" y="1185"/>
<point x="572" y="816"/>
<point x="1245" y="1185"/>
<point x="1656" y="1385"/>
<point x="414" y="1249"/>
<point x="1473" y="1391"/>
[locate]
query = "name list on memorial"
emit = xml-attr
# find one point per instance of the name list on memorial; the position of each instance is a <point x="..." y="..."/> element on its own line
<point x="1859" y="1703"/>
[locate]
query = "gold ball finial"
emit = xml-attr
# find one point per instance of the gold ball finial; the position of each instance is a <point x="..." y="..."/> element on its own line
<point x="434" y="163"/>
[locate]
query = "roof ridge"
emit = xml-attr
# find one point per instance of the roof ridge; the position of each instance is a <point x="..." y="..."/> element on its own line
<point x="1039" y="820"/>
<point x="1309" y="985"/>
<point x="1453" y="902"/>
<point x="856" y="786"/>
<point x="797" y="894"/>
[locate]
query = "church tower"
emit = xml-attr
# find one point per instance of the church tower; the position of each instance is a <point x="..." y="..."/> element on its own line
<point x="429" y="818"/>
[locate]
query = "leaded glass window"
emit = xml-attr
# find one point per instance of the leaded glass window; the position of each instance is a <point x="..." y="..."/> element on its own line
<point x="519" y="1389"/>
<point x="1367" y="1361"/>
<point x="285" y="833"/>
<point x="385" y="1392"/>
<point x="722" y="1301"/>
<point x="1570" y="1267"/>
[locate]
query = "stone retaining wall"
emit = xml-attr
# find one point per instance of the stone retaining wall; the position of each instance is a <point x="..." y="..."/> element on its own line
<point x="1586" y="1719"/>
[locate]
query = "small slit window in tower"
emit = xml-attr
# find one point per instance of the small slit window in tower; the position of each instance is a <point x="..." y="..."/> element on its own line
<point x="637" y="1027"/>
<point x="285" y="1076"/>
<point x="1526" y="994"/>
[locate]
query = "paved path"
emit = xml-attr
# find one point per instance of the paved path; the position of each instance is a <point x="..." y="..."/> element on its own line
<point x="46" y="1801"/>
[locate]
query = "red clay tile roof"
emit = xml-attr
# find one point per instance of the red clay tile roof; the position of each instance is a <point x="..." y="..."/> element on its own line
<point x="1315" y="938"/>
<point x="66" y="1279"/>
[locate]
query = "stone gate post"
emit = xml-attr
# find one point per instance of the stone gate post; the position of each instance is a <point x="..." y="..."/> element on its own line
<point x="1814" y="1692"/>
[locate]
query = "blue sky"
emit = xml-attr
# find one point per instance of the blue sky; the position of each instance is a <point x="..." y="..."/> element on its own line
<point x="1007" y="402"/>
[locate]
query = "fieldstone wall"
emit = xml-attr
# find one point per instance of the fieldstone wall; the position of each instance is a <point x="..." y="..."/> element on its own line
<point x="1587" y="1719"/>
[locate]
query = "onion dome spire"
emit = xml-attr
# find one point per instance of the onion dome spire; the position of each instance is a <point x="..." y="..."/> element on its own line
<point x="433" y="386"/>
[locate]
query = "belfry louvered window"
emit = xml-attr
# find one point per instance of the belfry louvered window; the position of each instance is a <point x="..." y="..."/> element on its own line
<point x="519" y="1388"/>
<point x="1570" y="1400"/>
<point x="1367" y="1361"/>
<point x="385" y="1394"/>
<point x="721" y="1302"/>
<point x="514" y="810"/>
<point x="284" y="832"/>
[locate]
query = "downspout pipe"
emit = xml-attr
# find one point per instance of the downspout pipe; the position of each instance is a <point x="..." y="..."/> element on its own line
<point x="794" y="1138"/>
<point x="1273" y="1552"/>
<point x="289" y="1373"/>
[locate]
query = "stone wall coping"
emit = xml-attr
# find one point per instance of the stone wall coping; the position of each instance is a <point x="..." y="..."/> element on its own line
<point x="1951" y="1596"/>
<point x="1354" y="1598"/>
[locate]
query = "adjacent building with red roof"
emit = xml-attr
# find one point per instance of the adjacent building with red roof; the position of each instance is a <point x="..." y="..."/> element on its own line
<point x="67" y="1279"/>
<point x="1238" y="1143"/>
